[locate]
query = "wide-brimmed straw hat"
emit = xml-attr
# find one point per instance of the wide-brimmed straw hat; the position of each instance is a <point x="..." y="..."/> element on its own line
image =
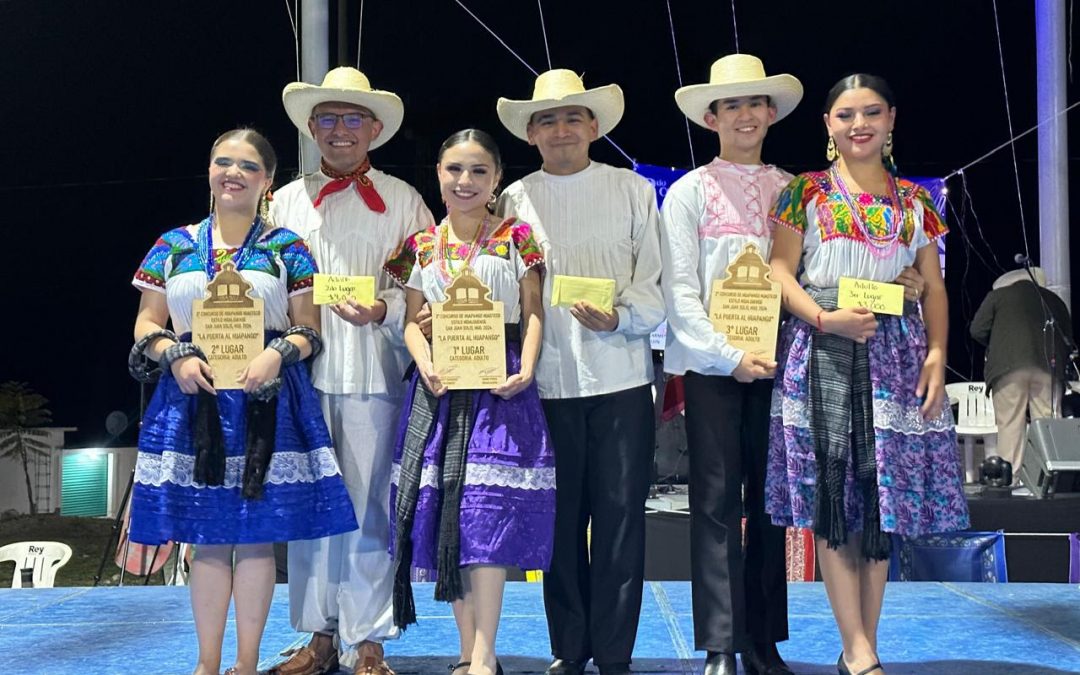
<point x="557" y="88"/>
<point x="739" y="75"/>
<point x="1012" y="277"/>
<point x="344" y="85"/>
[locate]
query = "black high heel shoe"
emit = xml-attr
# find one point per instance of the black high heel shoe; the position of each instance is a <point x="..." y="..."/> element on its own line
<point x="842" y="668"/>
<point x="454" y="666"/>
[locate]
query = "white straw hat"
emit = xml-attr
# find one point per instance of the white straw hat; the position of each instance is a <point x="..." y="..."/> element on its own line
<point x="557" y="88"/>
<point x="739" y="75"/>
<point x="344" y="85"/>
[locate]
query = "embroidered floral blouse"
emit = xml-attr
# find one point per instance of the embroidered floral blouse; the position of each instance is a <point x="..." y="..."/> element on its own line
<point x="280" y="266"/>
<point x="507" y="254"/>
<point x="833" y="245"/>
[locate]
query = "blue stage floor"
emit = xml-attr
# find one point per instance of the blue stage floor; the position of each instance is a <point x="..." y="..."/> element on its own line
<point x="984" y="629"/>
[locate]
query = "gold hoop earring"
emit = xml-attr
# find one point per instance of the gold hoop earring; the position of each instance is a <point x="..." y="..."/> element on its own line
<point x="830" y="150"/>
<point x="886" y="150"/>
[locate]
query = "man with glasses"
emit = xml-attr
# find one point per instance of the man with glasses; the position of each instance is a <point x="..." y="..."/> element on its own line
<point x="353" y="217"/>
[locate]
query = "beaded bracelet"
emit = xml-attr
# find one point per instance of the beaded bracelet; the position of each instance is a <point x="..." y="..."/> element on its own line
<point x="267" y="390"/>
<point x="309" y="334"/>
<point x="290" y="353"/>
<point x="139" y="366"/>
<point x="178" y="351"/>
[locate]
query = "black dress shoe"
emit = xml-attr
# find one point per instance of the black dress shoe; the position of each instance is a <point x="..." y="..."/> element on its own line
<point x="566" y="667"/>
<point x="764" y="660"/>
<point x="720" y="663"/>
<point x="613" y="668"/>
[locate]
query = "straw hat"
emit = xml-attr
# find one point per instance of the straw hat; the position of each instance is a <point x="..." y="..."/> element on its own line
<point x="739" y="75"/>
<point x="557" y="88"/>
<point x="1010" y="278"/>
<point x="344" y="85"/>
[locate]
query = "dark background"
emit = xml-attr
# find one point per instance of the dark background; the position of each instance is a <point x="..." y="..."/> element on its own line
<point x="109" y="109"/>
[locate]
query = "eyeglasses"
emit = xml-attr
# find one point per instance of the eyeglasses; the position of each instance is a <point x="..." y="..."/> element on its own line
<point x="353" y="120"/>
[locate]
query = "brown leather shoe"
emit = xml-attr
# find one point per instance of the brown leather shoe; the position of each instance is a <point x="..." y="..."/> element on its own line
<point x="370" y="660"/>
<point x="305" y="661"/>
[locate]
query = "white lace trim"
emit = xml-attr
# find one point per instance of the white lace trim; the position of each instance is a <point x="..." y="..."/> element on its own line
<point x="518" y="478"/>
<point x="887" y="415"/>
<point x="285" y="467"/>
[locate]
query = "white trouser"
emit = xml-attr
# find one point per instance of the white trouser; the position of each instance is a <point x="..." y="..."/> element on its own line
<point x="344" y="584"/>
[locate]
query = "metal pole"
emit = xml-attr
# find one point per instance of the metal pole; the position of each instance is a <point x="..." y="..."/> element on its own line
<point x="314" y="61"/>
<point x="343" y="34"/>
<point x="1050" y="50"/>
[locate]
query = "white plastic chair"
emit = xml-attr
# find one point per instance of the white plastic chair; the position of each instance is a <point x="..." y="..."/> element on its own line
<point x="974" y="419"/>
<point x="40" y="558"/>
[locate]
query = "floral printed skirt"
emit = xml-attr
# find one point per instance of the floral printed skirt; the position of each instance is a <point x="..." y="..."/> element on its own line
<point x="920" y="487"/>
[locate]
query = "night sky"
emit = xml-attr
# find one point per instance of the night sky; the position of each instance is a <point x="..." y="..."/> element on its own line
<point x="109" y="109"/>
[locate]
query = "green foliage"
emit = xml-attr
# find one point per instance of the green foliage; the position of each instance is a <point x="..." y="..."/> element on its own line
<point x="22" y="412"/>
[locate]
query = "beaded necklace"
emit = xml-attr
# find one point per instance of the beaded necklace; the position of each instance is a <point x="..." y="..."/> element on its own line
<point x="444" y="266"/>
<point x="883" y="246"/>
<point x="205" y="246"/>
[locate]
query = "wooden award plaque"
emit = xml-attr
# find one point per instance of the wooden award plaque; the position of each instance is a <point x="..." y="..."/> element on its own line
<point x="228" y="325"/>
<point x="468" y="339"/>
<point x="745" y="304"/>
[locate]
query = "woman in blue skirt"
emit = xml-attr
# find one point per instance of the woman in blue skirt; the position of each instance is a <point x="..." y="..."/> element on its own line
<point x="233" y="470"/>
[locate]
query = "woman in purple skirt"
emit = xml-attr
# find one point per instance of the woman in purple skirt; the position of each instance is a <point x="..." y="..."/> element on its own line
<point x="861" y="444"/>
<point x="473" y="486"/>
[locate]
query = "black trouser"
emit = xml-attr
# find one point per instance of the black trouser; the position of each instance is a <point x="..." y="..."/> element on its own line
<point x="603" y="462"/>
<point x="738" y="598"/>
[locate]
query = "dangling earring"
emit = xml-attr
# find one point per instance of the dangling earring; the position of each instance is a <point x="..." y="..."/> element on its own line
<point x="264" y="206"/>
<point x="211" y="203"/>
<point x="830" y="150"/>
<point x="492" y="201"/>
<point x="886" y="150"/>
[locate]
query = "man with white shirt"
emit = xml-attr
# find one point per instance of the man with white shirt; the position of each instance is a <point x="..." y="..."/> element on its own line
<point x="354" y="218"/>
<point x="595" y="367"/>
<point x="709" y="215"/>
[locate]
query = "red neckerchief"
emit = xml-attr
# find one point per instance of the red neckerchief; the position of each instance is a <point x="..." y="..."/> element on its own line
<point x="364" y="186"/>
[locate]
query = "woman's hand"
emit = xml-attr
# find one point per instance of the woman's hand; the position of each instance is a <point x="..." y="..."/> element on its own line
<point x="263" y="368"/>
<point x="913" y="283"/>
<point x="931" y="387"/>
<point x="192" y="374"/>
<point x="856" y="324"/>
<point x="514" y="384"/>
<point x="431" y="379"/>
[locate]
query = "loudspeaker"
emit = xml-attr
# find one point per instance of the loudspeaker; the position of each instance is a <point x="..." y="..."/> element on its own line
<point x="1051" y="463"/>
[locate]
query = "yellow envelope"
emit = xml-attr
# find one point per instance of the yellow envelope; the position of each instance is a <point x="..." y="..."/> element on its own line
<point x="566" y="290"/>
<point x="334" y="288"/>
<point x="877" y="296"/>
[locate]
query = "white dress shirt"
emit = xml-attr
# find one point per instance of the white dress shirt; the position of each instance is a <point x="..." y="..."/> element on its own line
<point x="709" y="215"/>
<point x="347" y="237"/>
<point x="600" y="222"/>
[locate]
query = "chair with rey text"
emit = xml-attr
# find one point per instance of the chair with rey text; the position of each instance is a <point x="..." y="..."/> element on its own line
<point x="974" y="420"/>
<point x="36" y="562"/>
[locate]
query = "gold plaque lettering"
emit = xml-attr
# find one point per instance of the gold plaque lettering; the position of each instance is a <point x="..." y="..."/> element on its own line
<point x="228" y="325"/>
<point x="745" y="304"/>
<point x="468" y="339"/>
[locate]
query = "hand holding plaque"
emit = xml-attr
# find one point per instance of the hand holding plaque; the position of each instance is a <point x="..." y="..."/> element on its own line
<point x="228" y="325"/>
<point x="468" y="348"/>
<point x="745" y="304"/>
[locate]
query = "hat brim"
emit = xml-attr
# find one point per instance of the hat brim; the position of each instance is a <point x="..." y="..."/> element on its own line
<point x="606" y="104"/>
<point x="300" y="98"/>
<point x="785" y="91"/>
